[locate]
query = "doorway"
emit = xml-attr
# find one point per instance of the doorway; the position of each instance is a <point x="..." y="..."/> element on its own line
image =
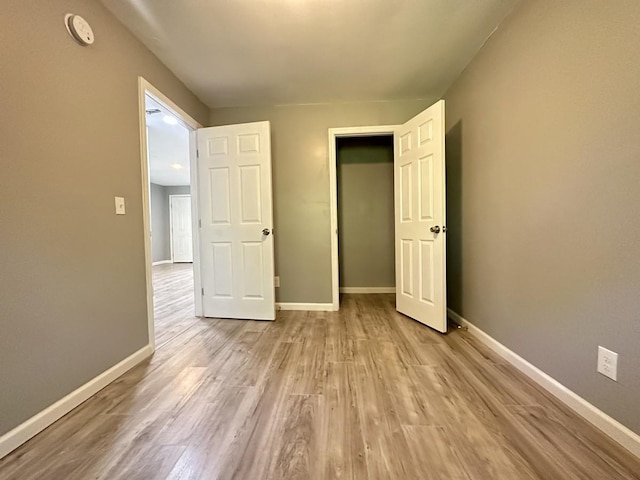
<point x="169" y="184"/>
<point x="365" y="214"/>
<point x="350" y="134"/>
<point x="172" y="268"/>
<point x="419" y="214"/>
<point x="181" y="228"/>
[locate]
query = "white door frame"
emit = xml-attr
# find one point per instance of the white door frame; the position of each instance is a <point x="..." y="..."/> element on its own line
<point x="145" y="88"/>
<point x="171" y="219"/>
<point x="334" y="134"/>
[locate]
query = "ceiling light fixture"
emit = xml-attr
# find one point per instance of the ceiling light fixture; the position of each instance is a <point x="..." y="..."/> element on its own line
<point x="176" y="166"/>
<point x="170" y="120"/>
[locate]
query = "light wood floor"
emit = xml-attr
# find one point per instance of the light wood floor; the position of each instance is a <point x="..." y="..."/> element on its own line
<point x="173" y="306"/>
<point x="362" y="393"/>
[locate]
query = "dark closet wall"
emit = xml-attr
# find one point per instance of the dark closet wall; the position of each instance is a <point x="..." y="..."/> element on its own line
<point x="365" y="211"/>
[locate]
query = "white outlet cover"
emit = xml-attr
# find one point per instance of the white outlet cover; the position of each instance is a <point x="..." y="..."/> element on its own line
<point x="120" y="209"/>
<point x="608" y="363"/>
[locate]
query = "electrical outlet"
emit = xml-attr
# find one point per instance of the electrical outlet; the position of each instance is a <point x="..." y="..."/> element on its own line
<point x="608" y="363"/>
<point x="276" y="282"/>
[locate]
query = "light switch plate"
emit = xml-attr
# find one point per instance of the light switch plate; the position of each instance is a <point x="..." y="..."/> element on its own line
<point x="120" y="210"/>
<point x="608" y="363"/>
<point x="276" y="282"/>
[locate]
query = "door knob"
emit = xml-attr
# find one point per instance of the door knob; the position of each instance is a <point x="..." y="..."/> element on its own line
<point x="435" y="229"/>
<point x="265" y="231"/>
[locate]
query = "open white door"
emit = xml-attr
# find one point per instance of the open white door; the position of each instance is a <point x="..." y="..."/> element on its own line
<point x="420" y="218"/>
<point x="181" y="232"/>
<point x="235" y="202"/>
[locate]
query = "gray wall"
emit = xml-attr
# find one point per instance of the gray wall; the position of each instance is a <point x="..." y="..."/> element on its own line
<point x="160" y="243"/>
<point x="300" y="142"/>
<point x="72" y="288"/>
<point x="543" y="193"/>
<point x="177" y="190"/>
<point x="160" y="220"/>
<point x="365" y="211"/>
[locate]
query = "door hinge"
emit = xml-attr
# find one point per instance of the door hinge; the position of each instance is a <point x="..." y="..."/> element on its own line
<point x="202" y="289"/>
<point x="200" y="223"/>
<point x="197" y="153"/>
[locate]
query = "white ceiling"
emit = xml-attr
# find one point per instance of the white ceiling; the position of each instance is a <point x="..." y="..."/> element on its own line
<point x="270" y="52"/>
<point x="168" y="147"/>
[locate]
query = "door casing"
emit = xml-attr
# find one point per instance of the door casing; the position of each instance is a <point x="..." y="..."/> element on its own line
<point x="146" y="88"/>
<point x="334" y="134"/>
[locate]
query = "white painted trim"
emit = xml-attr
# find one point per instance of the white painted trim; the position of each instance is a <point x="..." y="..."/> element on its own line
<point x="26" y="430"/>
<point x="335" y="133"/>
<point x="308" y="307"/>
<point x="161" y="262"/>
<point x="145" y="88"/>
<point x="146" y="208"/>
<point x="367" y="289"/>
<point x="614" y="429"/>
<point x="195" y="216"/>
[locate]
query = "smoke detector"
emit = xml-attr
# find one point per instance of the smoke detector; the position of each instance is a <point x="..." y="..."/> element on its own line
<point x="79" y="29"/>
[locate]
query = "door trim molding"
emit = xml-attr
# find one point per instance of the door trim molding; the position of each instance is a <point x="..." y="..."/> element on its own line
<point x="145" y="88"/>
<point x="307" y="307"/>
<point x="34" y="425"/>
<point x="334" y="134"/>
<point x="611" y="427"/>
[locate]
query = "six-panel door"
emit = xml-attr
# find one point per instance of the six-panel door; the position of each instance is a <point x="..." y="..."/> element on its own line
<point x="419" y="186"/>
<point x="236" y="240"/>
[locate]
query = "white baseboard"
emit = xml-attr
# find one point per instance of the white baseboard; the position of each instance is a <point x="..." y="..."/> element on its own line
<point x="161" y="262"/>
<point x="614" y="429"/>
<point x="367" y="289"/>
<point x="309" y="307"/>
<point x="23" y="432"/>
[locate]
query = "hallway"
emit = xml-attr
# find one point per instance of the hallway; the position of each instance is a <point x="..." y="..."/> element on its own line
<point x="173" y="300"/>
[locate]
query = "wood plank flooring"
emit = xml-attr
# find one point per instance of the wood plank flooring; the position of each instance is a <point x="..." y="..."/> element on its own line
<point x="173" y="300"/>
<point x="363" y="393"/>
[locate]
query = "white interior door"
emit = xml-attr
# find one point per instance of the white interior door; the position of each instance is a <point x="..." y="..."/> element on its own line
<point x="181" y="231"/>
<point x="419" y="184"/>
<point x="236" y="240"/>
